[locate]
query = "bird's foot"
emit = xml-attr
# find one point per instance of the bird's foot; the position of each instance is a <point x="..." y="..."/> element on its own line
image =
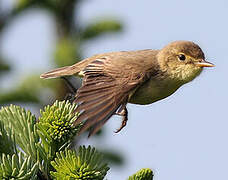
<point x="124" y="113"/>
<point x="70" y="97"/>
<point x="72" y="89"/>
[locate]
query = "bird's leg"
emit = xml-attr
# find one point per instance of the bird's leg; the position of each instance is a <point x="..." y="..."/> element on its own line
<point x="70" y="96"/>
<point x="122" y="111"/>
<point x="70" y="86"/>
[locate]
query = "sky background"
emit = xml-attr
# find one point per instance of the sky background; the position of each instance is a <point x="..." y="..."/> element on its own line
<point x="181" y="137"/>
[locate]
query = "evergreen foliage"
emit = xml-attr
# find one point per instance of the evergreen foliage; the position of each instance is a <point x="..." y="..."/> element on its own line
<point x="6" y="141"/>
<point x="143" y="174"/>
<point x="56" y="121"/>
<point x="39" y="149"/>
<point x="18" y="167"/>
<point x="86" y="163"/>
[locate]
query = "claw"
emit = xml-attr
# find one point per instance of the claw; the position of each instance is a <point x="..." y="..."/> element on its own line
<point x="122" y="112"/>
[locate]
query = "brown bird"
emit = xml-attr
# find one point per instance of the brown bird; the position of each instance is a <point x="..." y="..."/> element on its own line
<point x="111" y="80"/>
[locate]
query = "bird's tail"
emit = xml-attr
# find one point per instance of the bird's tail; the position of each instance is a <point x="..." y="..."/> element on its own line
<point x="63" y="71"/>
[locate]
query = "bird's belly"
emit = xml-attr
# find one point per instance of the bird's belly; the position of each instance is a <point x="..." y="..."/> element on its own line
<point x="153" y="91"/>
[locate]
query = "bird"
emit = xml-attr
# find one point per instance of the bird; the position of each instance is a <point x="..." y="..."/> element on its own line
<point x="111" y="80"/>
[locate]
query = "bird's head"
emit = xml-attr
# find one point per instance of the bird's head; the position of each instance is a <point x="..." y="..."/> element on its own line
<point x="182" y="60"/>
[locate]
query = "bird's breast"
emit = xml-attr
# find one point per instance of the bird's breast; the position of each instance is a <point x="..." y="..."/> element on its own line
<point x="153" y="90"/>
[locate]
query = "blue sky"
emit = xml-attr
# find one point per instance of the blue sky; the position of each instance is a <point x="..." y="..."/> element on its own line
<point x="181" y="137"/>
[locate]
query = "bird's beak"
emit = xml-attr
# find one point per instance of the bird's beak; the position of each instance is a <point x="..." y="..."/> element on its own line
<point x="203" y="63"/>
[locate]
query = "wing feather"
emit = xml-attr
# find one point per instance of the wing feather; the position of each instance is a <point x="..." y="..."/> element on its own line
<point x="96" y="127"/>
<point x="94" y="101"/>
<point x="103" y="114"/>
<point x="105" y="88"/>
<point x="91" y="95"/>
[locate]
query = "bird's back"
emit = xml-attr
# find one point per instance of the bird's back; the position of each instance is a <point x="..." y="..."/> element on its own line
<point x="121" y="58"/>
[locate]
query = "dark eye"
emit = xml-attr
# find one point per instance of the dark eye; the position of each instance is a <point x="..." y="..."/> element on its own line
<point x="181" y="57"/>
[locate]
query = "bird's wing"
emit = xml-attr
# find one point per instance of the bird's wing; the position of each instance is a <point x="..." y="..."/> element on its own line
<point x="107" y="84"/>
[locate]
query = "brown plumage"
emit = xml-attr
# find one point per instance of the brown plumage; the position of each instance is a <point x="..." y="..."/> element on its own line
<point x="111" y="80"/>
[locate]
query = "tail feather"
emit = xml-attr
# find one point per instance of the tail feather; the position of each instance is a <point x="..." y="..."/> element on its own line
<point x="63" y="71"/>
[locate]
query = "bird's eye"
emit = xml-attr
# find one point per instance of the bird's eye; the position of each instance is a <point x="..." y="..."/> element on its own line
<point x="181" y="57"/>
